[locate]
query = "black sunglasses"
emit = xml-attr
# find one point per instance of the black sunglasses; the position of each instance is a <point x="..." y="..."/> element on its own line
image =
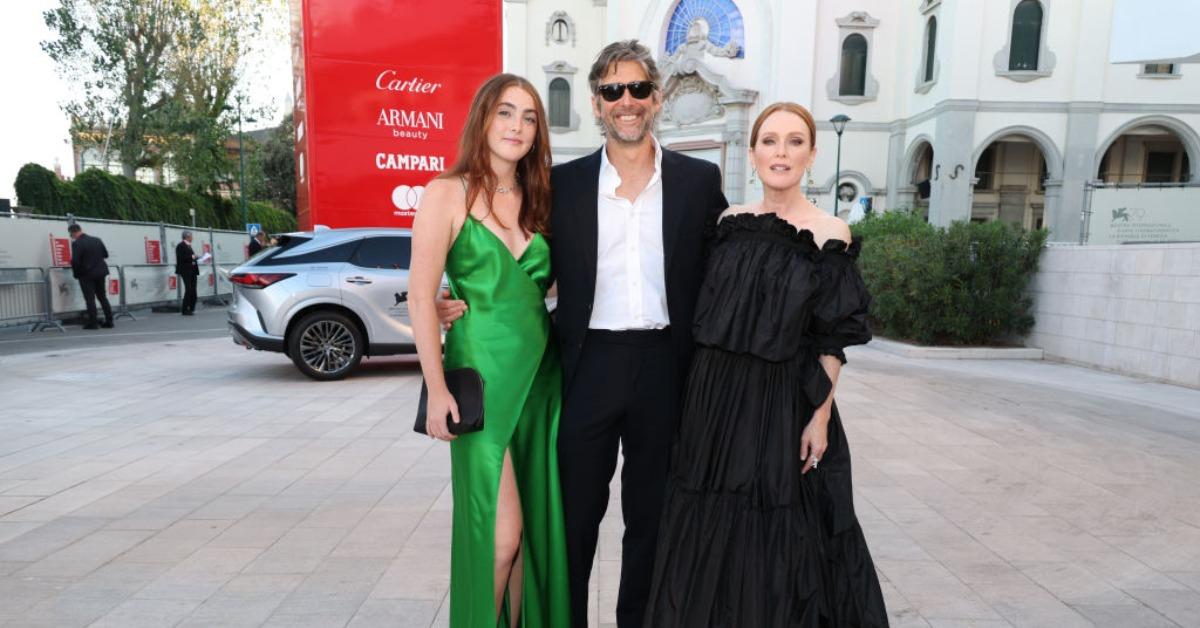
<point x="613" y="92"/>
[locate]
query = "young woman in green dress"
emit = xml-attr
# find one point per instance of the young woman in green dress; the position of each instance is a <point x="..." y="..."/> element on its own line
<point x="483" y="223"/>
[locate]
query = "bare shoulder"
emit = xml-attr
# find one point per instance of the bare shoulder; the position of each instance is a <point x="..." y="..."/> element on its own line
<point x="832" y="228"/>
<point x="443" y="199"/>
<point x="441" y="192"/>
<point x="734" y="210"/>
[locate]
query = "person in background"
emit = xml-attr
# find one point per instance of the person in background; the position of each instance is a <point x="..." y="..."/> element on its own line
<point x="188" y="270"/>
<point x="88" y="266"/>
<point x="258" y="243"/>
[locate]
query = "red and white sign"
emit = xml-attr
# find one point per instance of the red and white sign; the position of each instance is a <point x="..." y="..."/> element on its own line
<point x="173" y="282"/>
<point x="114" y="286"/>
<point x="60" y="251"/>
<point x="153" y="251"/>
<point x="382" y="90"/>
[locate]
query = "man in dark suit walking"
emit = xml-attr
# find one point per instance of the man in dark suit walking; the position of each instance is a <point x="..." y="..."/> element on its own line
<point x="628" y="224"/>
<point x="88" y="266"/>
<point x="188" y="270"/>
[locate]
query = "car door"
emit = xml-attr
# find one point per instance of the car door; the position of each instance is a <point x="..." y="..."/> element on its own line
<point x="375" y="284"/>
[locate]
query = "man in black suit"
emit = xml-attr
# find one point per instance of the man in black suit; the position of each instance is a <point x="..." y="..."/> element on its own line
<point x="257" y="243"/>
<point x="188" y="269"/>
<point x="88" y="266"/>
<point x="628" y="224"/>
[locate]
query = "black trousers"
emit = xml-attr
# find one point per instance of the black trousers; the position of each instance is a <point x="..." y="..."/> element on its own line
<point x="93" y="289"/>
<point x="625" y="392"/>
<point x="189" y="293"/>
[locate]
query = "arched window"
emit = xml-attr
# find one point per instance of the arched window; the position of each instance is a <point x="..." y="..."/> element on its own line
<point x="560" y="31"/>
<point x="854" y="66"/>
<point x="930" y="47"/>
<point x="1026" y="39"/>
<point x="560" y="103"/>
<point x="722" y="16"/>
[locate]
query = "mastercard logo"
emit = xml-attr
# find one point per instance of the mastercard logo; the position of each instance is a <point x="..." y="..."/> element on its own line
<point x="407" y="197"/>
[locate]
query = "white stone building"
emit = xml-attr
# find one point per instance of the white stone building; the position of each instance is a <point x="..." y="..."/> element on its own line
<point x="964" y="109"/>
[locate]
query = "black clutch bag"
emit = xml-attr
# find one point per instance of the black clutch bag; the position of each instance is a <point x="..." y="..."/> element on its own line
<point x="467" y="387"/>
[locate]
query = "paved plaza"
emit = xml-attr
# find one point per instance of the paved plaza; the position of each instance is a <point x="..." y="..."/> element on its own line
<point x="175" y="481"/>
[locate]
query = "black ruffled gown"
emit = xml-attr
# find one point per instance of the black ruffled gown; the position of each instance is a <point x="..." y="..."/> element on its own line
<point x="747" y="541"/>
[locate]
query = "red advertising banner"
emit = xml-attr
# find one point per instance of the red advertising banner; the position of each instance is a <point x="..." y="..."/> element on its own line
<point x="60" y="251"/>
<point x="153" y="251"/>
<point x="114" y="286"/>
<point x="383" y="88"/>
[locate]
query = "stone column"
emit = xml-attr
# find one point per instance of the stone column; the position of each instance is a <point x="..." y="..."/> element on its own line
<point x="895" y="166"/>
<point x="1083" y="122"/>
<point x="516" y="22"/>
<point x="950" y="193"/>
<point x="736" y="139"/>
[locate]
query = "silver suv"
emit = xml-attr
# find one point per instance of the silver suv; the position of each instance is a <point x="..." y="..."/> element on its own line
<point x="326" y="298"/>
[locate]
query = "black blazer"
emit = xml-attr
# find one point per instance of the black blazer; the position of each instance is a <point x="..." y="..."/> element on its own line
<point x="87" y="257"/>
<point x="185" y="260"/>
<point x="692" y="201"/>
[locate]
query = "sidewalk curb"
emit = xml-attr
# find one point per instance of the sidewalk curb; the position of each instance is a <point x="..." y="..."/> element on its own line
<point x="907" y="350"/>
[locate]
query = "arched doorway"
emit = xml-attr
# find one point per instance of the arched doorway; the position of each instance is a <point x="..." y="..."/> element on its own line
<point x="1009" y="182"/>
<point x="1149" y="153"/>
<point x="920" y="178"/>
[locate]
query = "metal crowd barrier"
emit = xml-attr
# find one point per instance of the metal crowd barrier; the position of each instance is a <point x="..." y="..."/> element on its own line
<point x="23" y="296"/>
<point x="41" y="296"/>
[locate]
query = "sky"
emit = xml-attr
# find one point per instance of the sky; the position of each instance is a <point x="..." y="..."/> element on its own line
<point x="33" y="127"/>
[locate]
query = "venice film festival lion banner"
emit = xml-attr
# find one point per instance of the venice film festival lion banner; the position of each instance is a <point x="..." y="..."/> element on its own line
<point x="1122" y="215"/>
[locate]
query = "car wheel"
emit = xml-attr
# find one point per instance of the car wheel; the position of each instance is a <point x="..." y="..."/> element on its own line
<point x="325" y="345"/>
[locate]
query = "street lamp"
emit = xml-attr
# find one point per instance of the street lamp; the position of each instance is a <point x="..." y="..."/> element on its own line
<point x="839" y="124"/>
<point x="242" y="164"/>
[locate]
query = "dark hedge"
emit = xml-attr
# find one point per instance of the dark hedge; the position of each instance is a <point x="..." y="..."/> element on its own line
<point x="97" y="194"/>
<point x="965" y="285"/>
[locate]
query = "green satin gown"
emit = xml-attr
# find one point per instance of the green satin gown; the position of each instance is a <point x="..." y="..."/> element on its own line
<point x="505" y="335"/>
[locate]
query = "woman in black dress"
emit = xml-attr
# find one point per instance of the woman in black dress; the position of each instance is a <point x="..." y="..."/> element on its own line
<point x="759" y="528"/>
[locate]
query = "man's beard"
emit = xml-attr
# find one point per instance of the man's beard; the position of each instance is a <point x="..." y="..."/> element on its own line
<point x="648" y="125"/>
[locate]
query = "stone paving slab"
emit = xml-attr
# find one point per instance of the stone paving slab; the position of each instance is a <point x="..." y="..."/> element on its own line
<point x="191" y="483"/>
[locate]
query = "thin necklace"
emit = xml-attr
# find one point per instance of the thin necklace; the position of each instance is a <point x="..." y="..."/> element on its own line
<point x="506" y="189"/>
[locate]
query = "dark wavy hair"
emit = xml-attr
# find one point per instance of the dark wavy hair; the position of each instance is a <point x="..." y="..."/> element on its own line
<point x="474" y="157"/>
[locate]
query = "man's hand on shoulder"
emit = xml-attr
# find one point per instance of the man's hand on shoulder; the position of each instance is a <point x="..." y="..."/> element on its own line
<point x="449" y="310"/>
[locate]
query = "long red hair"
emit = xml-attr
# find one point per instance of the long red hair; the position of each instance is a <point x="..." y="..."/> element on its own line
<point x="474" y="156"/>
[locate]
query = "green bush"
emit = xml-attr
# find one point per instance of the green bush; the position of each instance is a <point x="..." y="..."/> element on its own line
<point x="966" y="285"/>
<point x="98" y="194"/>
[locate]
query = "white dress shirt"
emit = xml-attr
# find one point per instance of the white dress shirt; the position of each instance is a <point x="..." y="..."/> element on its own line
<point x="631" y="286"/>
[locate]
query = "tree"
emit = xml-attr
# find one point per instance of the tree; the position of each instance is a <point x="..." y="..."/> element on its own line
<point x="115" y="54"/>
<point x="203" y="73"/>
<point x="278" y="159"/>
<point x="156" y="78"/>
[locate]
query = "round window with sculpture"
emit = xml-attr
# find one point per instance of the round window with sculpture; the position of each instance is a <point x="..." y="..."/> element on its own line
<point x="847" y="192"/>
